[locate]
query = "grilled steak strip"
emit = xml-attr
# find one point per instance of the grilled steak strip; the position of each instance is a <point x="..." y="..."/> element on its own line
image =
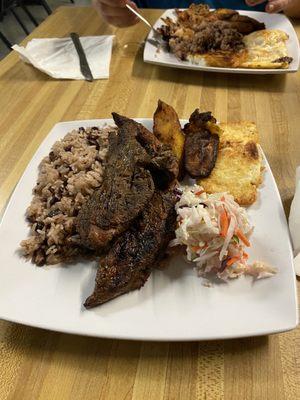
<point x="162" y="163"/>
<point x="126" y="189"/>
<point x="136" y="163"/>
<point x="129" y="262"/>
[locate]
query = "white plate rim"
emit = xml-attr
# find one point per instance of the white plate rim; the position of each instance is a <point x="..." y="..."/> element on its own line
<point x="257" y="332"/>
<point x="149" y="52"/>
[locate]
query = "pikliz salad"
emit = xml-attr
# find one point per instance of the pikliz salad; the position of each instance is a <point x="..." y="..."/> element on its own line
<point x="216" y="232"/>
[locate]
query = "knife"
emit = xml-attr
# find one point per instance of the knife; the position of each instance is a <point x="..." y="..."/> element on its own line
<point x="84" y="66"/>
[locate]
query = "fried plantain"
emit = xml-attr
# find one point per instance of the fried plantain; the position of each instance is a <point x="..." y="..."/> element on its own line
<point x="201" y="144"/>
<point x="168" y="130"/>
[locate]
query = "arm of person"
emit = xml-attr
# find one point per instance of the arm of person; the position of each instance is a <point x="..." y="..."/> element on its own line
<point x="289" y="7"/>
<point x="115" y="12"/>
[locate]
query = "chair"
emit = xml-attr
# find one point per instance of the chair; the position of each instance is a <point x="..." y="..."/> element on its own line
<point x="11" y="6"/>
<point x="5" y="40"/>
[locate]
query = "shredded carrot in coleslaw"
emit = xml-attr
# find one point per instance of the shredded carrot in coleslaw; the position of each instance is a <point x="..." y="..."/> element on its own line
<point x="215" y="231"/>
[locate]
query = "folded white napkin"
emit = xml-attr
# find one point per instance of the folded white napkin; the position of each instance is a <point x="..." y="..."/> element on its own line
<point x="294" y="223"/>
<point x="58" y="57"/>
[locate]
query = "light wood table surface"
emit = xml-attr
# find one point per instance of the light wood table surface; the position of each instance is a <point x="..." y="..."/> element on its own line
<point x="37" y="364"/>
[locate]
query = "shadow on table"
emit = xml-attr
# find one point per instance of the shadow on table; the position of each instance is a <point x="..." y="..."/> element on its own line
<point x="35" y="343"/>
<point x="24" y="72"/>
<point x="274" y="83"/>
<point x="287" y="205"/>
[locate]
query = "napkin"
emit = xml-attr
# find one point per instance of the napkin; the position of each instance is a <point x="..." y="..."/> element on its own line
<point x="294" y="223"/>
<point x="58" y="57"/>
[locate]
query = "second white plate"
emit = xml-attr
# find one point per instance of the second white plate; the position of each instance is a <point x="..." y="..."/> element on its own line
<point x="272" y="21"/>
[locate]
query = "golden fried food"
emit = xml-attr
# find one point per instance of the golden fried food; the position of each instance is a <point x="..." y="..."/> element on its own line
<point x="201" y="145"/>
<point x="224" y="38"/>
<point x="241" y="132"/>
<point x="168" y="130"/>
<point x="264" y="49"/>
<point x="267" y="49"/>
<point x="238" y="168"/>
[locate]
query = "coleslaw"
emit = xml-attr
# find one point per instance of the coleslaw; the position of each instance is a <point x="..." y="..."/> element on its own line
<point x="216" y="232"/>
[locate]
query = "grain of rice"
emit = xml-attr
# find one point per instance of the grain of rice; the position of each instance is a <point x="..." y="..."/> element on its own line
<point x="67" y="178"/>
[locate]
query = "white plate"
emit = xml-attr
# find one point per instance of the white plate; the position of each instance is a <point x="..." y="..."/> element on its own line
<point x="173" y="305"/>
<point x="272" y="21"/>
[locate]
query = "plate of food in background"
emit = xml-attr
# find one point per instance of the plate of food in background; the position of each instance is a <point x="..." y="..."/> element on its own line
<point x="150" y="229"/>
<point x="224" y="40"/>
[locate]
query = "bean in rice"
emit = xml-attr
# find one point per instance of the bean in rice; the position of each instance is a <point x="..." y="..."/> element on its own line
<point x="67" y="178"/>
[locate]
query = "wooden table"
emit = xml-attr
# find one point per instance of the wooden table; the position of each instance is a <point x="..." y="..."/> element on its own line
<point x="37" y="364"/>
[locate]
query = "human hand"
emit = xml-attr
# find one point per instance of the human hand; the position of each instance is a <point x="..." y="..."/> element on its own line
<point x="115" y="12"/>
<point x="274" y="6"/>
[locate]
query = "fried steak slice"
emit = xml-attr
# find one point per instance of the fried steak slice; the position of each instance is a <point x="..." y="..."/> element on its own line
<point x="242" y="23"/>
<point x="126" y="188"/>
<point x="200" y="31"/>
<point x="132" y="256"/>
<point x="201" y="146"/>
<point x="136" y="163"/>
<point x="196" y="14"/>
<point x="162" y="162"/>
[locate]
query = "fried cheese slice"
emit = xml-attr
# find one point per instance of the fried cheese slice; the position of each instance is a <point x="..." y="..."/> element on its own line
<point x="264" y="49"/>
<point x="238" y="168"/>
